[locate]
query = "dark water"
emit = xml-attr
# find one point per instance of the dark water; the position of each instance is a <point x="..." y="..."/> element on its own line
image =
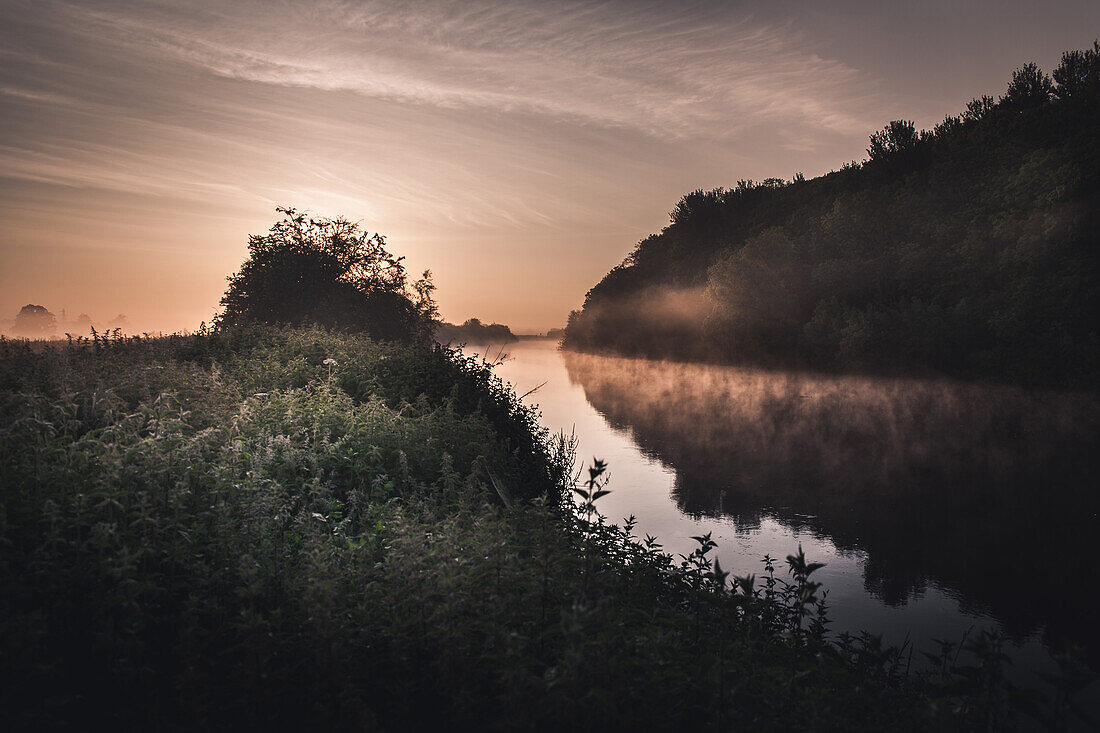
<point x="938" y="507"/>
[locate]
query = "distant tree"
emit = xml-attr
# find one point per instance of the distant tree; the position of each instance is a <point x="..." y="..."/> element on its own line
<point x="949" y="125"/>
<point x="328" y="272"/>
<point x="34" y="321"/>
<point x="475" y="332"/>
<point x="1030" y="87"/>
<point x="897" y="137"/>
<point x="978" y="108"/>
<point x="120" y="322"/>
<point x="1079" y="72"/>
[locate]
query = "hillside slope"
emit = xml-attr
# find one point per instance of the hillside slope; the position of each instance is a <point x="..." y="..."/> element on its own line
<point x="970" y="250"/>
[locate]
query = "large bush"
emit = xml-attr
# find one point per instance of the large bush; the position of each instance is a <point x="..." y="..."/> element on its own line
<point x="328" y="272"/>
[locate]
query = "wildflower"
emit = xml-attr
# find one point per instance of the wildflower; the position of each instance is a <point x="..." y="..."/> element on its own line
<point x="330" y="361"/>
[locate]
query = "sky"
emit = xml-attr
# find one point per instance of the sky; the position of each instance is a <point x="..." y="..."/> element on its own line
<point x="517" y="149"/>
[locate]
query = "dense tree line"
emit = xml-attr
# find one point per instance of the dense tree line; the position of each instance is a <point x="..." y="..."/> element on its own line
<point x="969" y="249"/>
<point x="473" y="331"/>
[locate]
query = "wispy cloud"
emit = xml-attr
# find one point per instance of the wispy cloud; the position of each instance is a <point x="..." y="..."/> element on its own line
<point x="696" y="72"/>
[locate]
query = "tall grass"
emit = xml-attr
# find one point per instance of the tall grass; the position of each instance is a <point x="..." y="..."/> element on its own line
<point x="297" y="528"/>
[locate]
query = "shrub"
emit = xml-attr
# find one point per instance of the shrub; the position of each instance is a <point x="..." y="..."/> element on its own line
<point x="331" y="273"/>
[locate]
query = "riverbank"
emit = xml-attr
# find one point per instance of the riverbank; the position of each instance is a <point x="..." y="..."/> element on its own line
<point x="301" y="529"/>
<point x="926" y="259"/>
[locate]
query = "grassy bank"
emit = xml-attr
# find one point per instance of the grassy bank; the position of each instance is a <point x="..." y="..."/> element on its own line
<point x="296" y="528"/>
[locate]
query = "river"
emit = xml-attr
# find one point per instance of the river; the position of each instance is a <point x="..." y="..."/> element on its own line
<point x="938" y="508"/>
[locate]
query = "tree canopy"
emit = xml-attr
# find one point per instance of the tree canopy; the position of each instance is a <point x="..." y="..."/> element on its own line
<point x="971" y="249"/>
<point x="331" y="273"/>
<point x="34" y="321"/>
<point x="473" y="331"/>
<point x="1030" y="87"/>
<point x="1079" y="72"/>
<point x="897" y="137"/>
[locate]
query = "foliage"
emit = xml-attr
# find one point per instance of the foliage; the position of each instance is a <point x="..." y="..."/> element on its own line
<point x="896" y="138"/>
<point x="970" y="249"/>
<point x="331" y="273"/>
<point x="473" y="331"/>
<point x="257" y="528"/>
<point x="1079" y="73"/>
<point x="34" y="321"/>
<point x="1029" y="88"/>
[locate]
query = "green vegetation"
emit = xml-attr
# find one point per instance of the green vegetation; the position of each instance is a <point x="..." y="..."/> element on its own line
<point x="299" y="528"/>
<point x="328" y="272"/>
<point x="473" y="331"/>
<point x="277" y="524"/>
<point x="970" y="249"/>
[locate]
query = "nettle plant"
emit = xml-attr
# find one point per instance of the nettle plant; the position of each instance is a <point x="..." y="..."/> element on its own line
<point x="795" y="606"/>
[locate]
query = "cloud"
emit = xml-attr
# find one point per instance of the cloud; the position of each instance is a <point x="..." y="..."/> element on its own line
<point x="31" y="95"/>
<point x="513" y="147"/>
<point x="683" y="71"/>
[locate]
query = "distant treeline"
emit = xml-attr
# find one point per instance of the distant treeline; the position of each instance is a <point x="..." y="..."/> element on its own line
<point x="970" y="250"/>
<point x="473" y="331"/>
<point x="37" y="322"/>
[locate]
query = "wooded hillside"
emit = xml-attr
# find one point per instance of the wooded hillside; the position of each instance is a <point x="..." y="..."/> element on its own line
<point x="969" y="249"/>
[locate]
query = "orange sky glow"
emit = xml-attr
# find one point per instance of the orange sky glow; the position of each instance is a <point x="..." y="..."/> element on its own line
<point x="518" y="149"/>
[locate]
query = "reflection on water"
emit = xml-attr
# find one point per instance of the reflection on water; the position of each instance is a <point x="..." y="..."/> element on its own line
<point x="984" y="490"/>
<point x="935" y="504"/>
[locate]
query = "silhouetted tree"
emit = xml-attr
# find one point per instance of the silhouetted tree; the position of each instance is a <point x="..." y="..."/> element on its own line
<point x="897" y="137"/>
<point x="698" y="203"/>
<point x="1078" y="72"/>
<point x="978" y="108"/>
<point x="474" y="331"/>
<point x="328" y="272"/>
<point x="120" y="322"/>
<point x="1030" y="87"/>
<point x="950" y="124"/>
<point x="34" y="321"/>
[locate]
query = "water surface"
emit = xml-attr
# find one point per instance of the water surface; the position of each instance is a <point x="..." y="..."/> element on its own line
<point x="939" y="508"/>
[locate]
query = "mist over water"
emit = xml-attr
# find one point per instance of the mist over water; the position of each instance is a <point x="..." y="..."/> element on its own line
<point x="937" y="505"/>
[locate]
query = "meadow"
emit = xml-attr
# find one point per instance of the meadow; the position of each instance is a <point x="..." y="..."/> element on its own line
<point x="297" y="528"/>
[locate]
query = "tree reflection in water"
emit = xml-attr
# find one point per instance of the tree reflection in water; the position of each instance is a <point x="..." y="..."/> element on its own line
<point x="987" y="491"/>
